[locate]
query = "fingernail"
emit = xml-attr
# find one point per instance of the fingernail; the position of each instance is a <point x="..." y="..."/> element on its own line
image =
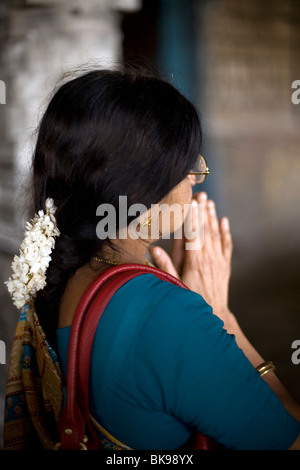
<point x="211" y="208"/>
<point x="225" y="222"/>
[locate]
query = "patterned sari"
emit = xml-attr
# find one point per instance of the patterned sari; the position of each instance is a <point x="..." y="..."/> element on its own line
<point x="35" y="392"/>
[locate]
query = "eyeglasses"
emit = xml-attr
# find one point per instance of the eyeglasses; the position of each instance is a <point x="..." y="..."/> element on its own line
<point x="201" y="170"/>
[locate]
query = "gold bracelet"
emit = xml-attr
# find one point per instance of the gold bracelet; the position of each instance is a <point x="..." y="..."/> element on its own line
<point x="265" y="367"/>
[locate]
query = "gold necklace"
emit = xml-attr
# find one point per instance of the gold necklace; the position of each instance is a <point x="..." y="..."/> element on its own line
<point x="113" y="262"/>
<point x="104" y="260"/>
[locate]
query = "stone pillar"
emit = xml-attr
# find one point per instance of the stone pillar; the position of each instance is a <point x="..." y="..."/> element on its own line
<point x="42" y="40"/>
<point x="39" y="40"/>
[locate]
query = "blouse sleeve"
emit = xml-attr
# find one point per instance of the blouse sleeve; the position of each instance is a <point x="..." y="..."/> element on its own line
<point x="204" y="379"/>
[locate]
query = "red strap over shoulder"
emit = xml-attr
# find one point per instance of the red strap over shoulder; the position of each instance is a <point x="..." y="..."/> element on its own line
<point x="75" y="419"/>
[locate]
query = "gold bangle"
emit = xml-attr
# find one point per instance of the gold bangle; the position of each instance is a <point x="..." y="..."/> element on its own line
<point x="265" y="368"/>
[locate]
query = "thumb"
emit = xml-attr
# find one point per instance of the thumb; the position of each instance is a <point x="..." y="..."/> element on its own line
<point x="163" y="260"/>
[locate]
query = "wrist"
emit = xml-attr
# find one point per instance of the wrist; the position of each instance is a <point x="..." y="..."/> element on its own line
<point x="227" y="318"/>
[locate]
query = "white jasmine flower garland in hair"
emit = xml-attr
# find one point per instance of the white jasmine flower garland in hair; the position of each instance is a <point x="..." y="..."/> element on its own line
<point x="29" y="268"/>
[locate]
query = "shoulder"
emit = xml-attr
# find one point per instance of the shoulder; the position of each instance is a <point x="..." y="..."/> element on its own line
<point x="150" y="283"/>
<point x="173" y="311"/>
<point x="167" y="297"/>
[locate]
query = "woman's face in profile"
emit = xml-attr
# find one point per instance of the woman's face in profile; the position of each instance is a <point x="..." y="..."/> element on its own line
<point x="181" y="198"/>
<point x="183" y="192"/>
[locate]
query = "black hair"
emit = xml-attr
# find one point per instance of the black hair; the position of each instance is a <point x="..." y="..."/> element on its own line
<point x="106" y="133"/>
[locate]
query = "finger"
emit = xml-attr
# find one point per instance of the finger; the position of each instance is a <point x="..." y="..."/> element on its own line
<point x="178" y="253"/>
<point x="193" y="233"/>
<point x="227" y="246"/>
<point x="214" y="225"/>
<point x="163" y="261"/>
<point x="201" y="196"/>
<point x="204" y="221"/>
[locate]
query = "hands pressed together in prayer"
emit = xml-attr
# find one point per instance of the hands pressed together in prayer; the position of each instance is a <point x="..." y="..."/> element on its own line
<point x="206" y="269"/>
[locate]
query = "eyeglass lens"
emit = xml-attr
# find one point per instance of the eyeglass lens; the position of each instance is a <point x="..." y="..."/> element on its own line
<point x="201" y="166"/>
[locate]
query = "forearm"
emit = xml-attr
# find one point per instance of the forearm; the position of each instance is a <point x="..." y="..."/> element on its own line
<point x="232" y="327"/>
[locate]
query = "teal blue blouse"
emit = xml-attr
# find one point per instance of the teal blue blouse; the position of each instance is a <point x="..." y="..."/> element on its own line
<point x="162" y="363"/>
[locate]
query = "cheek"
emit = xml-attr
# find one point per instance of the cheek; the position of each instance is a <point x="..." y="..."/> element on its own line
<point x="180" y="196"/>
<point x="186" y="193"/>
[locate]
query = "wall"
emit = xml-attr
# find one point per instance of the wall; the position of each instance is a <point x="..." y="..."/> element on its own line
<point x="252" y="146"/>
<point x="39" y="42"/>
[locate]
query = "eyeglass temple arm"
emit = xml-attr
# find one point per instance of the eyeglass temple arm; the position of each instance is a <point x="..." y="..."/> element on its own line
<point x="206" y="172"/>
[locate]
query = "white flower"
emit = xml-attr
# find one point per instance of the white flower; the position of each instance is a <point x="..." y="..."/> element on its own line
<point x="50" y="206"/>
<point x="29" y="268"/>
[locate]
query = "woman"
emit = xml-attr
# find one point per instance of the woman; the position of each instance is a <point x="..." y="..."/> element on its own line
<point x="166" y="360"/>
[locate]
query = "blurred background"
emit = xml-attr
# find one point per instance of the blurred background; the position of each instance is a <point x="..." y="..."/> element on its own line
<point x="236" y="62"/>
